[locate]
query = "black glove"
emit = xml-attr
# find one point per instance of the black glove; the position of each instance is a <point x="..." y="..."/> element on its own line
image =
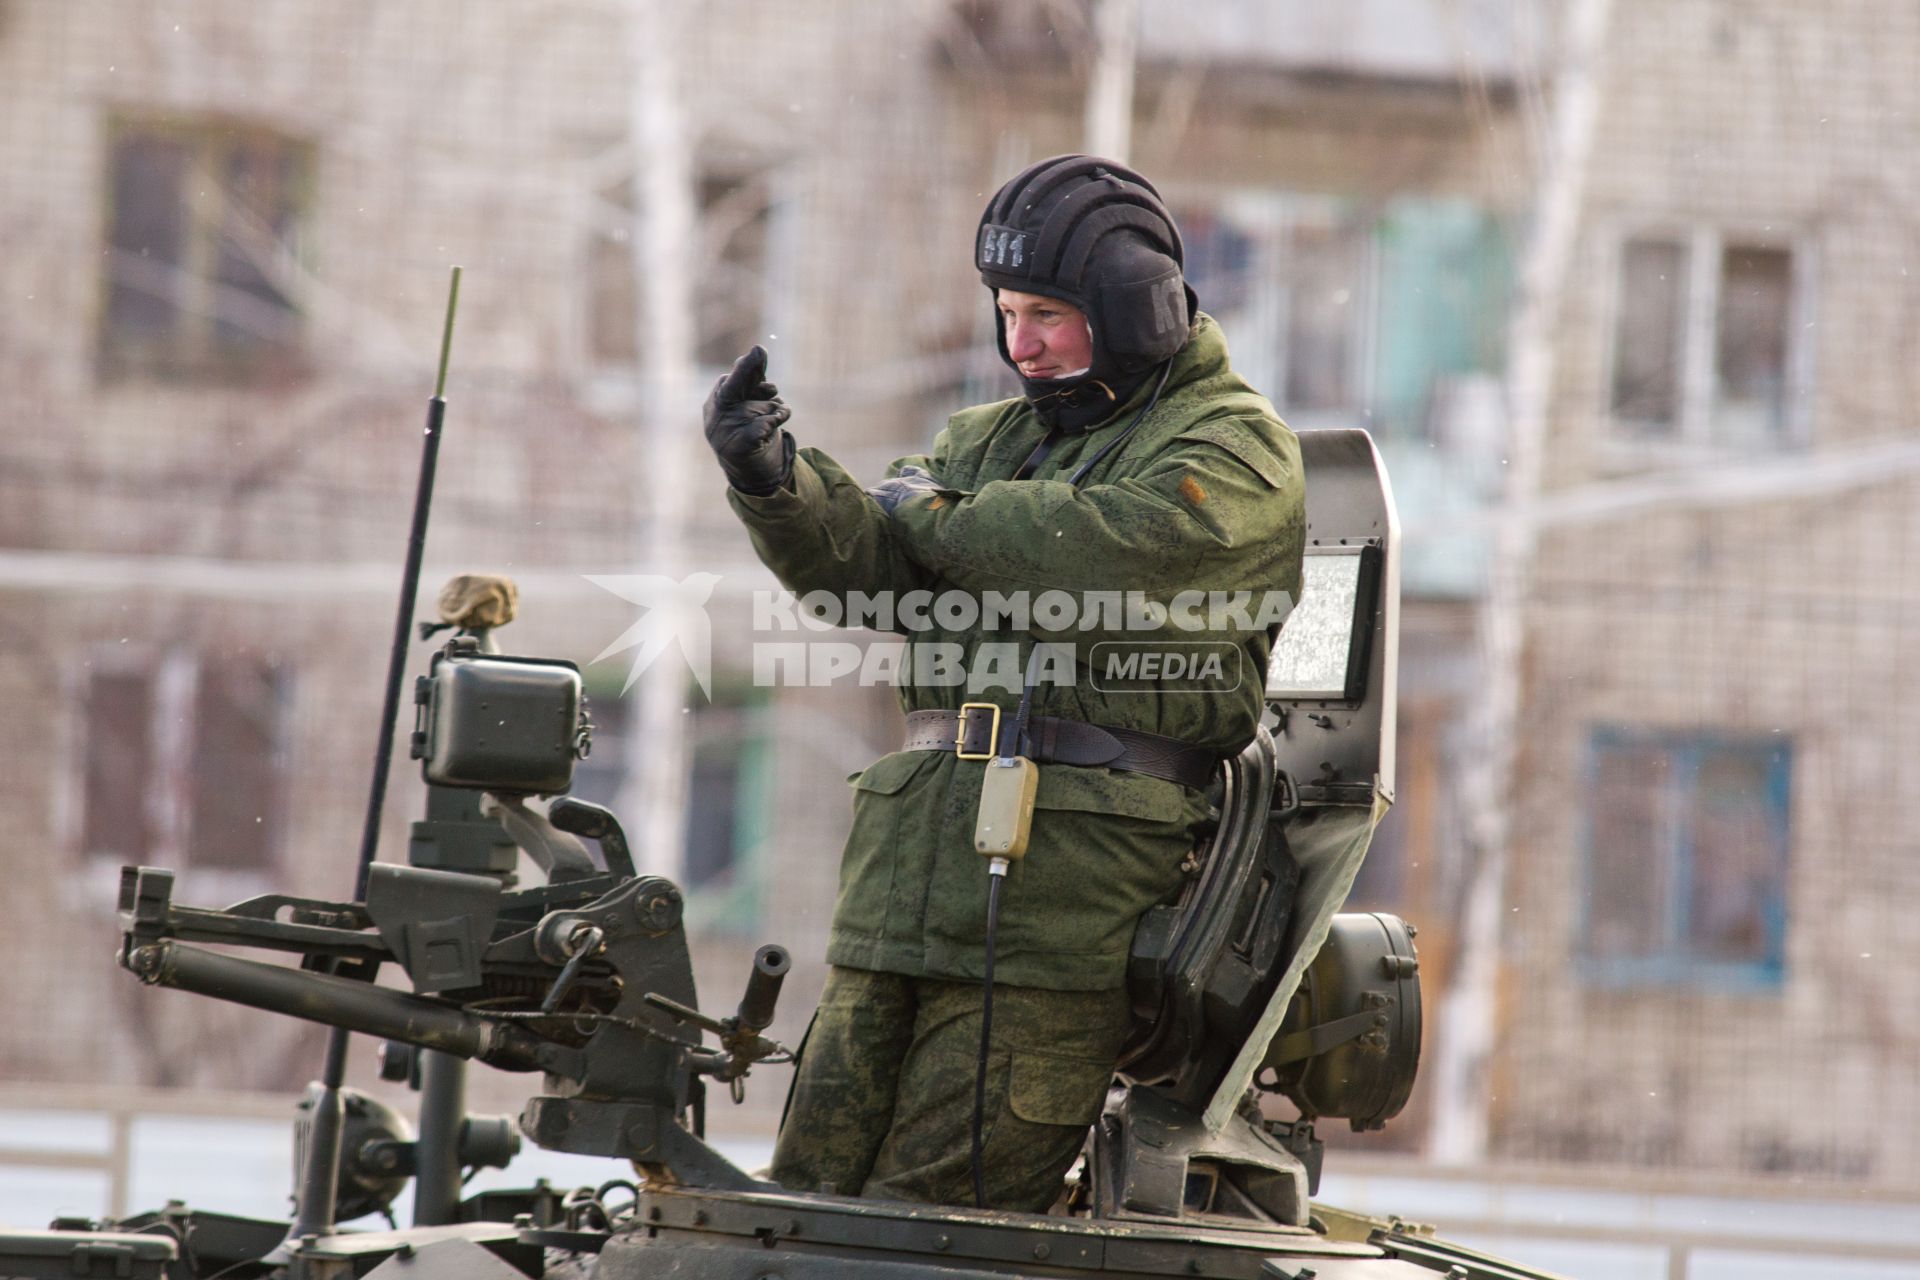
<point x="912" y="482"/>
<point x="743" y="419"/>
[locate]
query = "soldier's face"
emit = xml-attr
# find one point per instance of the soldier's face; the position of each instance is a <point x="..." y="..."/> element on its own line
<point x="1046" y="337"/>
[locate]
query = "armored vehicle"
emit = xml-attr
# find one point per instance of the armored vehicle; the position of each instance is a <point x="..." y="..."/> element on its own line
<point x="1252" y="984"/>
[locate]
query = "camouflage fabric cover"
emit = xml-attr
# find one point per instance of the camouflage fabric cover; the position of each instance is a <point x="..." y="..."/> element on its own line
<point x="1206" y="495"/>
<point x="1328" y="844"/>
<point x="479" y="600"/>
<point x="868" y="1117"/>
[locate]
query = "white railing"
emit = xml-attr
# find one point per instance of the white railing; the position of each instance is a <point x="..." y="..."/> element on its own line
<point x="1625" y="1224"/>
<point x="92" y="1151"/>
<point x="105" y="1151"/>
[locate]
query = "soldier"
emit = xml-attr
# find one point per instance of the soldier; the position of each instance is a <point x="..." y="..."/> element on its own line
<point x="1136" y="461"/>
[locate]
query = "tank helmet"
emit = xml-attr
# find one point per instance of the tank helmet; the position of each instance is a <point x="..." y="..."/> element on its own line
<point x="1096" y="234"/>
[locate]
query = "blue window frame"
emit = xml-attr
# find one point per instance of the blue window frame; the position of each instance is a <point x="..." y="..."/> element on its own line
<point x="1685" y="842"/>
<point x="1347" y="312"/>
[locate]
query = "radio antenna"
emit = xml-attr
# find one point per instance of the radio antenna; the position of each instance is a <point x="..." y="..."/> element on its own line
<point x="409" y="589"/>
<point x="317" y="1192"/>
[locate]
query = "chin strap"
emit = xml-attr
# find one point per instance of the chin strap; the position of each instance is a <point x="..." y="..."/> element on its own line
<point x="1069" y="397"/>
<point x="1088" y="402"/>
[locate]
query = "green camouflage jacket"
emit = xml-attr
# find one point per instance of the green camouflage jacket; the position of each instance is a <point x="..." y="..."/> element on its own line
<point x="1205" y="496"/>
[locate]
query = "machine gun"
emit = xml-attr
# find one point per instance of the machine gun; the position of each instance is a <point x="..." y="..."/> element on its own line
<point x="585" y="978"/>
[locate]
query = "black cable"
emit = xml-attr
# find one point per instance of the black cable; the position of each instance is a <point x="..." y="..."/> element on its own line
<point x="986" y="1032"/>
<point x="1039" y="454"/>
<point x="632" y="1204"/>
<point x="1081" y="472"/>
<point x="1011" y="741"/>
<point x="1013" y="733"/>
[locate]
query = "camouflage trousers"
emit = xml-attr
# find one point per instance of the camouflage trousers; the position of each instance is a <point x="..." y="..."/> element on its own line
<point x="882" y="1100"/>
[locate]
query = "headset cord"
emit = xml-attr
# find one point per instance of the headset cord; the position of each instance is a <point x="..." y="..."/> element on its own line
<point x="1080" y="474"/>
<point x="999" y="872"/>
<point x="1039" y="454"/>
<point x="1012" y="740"/>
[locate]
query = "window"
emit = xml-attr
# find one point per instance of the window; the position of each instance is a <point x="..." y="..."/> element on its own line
<point x="717" y="792"/>
<point x="1650" y="325"/>
<point x="1349" y="315"/>
<point x="730" y="271"/>
<point x="731" y="294"/>
<point x="233" y="818"/>
<point x="185" y="764"/>
<point x="613" y="288"/>
<point x="1290" y="279"/>
<point x="203" y="228"/>
<point x="1702" y="342"/>
<point x="1325" y="282"/>
<point x="728" y="812"/>
<point x="119" y="767"/>
<point x="1686" y="858"/>
<point x="1445" y="297"/>
<point x="1750" y="344"/>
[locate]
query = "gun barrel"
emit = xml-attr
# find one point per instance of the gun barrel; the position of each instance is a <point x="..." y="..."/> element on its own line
<point x="770" y="965"/>
<point x="334" y="1001"/>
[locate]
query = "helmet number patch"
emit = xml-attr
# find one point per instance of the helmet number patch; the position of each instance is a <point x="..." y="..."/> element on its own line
<point x="1005" y="247"/>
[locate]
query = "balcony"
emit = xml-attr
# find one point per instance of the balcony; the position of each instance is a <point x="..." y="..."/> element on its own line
<point x="1414" y="43"/>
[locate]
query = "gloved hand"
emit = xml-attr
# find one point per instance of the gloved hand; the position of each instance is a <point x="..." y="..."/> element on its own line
<point x="743" y="420"/>
<point x="911" y="483"/>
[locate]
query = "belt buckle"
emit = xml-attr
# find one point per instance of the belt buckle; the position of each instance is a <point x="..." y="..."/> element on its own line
<point x="960" y="751"/>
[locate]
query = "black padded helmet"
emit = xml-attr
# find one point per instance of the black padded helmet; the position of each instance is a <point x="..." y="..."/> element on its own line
<point x="1096" y="234"/>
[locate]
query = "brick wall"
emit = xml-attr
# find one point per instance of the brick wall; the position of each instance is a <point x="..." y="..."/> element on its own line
<point x="1784" y="615"/>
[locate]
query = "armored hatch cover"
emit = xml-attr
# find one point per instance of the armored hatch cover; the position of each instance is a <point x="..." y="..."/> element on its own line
<point x="718" y="1235"/>
<point x="89" y="1255"/>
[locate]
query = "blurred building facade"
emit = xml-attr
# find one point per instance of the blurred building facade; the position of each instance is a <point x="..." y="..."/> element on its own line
<point x="238" y="226"/>
<point x="1710" y="961"/>
<point x="228" y="237"/>
<point x="231" y="230"/>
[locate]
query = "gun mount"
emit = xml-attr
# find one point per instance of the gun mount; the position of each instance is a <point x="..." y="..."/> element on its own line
<point x="586" y="980"/>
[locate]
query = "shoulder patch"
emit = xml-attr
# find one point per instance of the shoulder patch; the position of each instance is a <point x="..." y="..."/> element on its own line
<point x="1242" y="442"/>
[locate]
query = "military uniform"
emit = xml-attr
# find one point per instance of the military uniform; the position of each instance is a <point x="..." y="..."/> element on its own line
<point x="1204" y="495"/>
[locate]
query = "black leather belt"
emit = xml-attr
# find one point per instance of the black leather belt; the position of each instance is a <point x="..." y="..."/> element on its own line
<point x="971" y="731"/>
